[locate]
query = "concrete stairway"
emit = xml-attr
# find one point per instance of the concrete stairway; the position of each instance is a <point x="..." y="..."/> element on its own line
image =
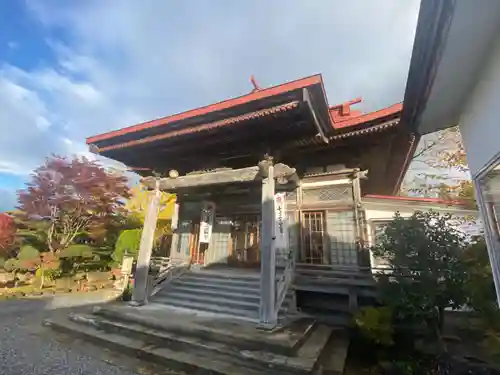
<point x="234" y="293"/>
<point x="209" y="344"/>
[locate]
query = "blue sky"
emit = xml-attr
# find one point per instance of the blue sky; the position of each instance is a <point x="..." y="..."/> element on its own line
<point x="72" y="69"/>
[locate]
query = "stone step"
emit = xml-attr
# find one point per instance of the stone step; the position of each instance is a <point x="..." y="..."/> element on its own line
<point x="172" y="359"/>
<point x="218" y="302"/>
<point x="201" y="282"/>
<point x="210" y="294"/>
<point x="217" y="357"/>
<point x="285" y="340"/>
<point x="226" y="287"/>
<point x="218" y="299"/>
<point x="229" y="276"/>
<point x="251" y="312"/>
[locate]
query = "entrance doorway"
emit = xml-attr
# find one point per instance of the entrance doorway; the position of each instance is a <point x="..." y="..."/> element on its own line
<point x="245" y="240"/>
<point x="196" y="250"/>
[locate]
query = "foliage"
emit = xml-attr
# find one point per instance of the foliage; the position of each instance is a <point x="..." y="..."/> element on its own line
<point x="72" y="196"/>
<point x="84" y="257"/>
<point x="425" y="271"/>
<point x="138" y="203"/>
<point x="481" y="296"/>
<point x="7" y="234"/>
<point x="376" y="324"/>
<point x="77" y="251"/>
<point x="479" y="285"/>
<point x="128" y="242"/>
<point x="11" y="265"/>
<point x="439" y="161"/>
<point x="28" y="252"/>
<point x="31" y="232"/>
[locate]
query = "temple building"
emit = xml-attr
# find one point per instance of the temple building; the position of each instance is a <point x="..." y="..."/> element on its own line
<point x="271" y="191"/>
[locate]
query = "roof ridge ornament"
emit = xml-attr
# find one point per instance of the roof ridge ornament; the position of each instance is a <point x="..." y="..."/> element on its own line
<point x="255" y="85"/>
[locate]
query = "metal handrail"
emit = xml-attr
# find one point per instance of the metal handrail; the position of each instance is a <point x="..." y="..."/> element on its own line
<point x="283" y="282"/>
<point x="168" y="273"/>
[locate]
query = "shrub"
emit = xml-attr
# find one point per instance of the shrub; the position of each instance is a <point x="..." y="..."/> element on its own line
<point x="128" y="242"/>
<point x="479" y="285"/>
<point x="375" y="323"/>
<point x="28" y="252"/>
<point x="11" y="265"/>
<point x="426" y="273"/>
<point x="77" y="251"/>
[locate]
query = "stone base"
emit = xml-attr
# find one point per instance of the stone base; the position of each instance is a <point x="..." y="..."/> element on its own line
<point x="192" y="343"/>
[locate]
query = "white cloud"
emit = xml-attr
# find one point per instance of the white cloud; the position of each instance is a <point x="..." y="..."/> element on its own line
<point x="120" y="62"/>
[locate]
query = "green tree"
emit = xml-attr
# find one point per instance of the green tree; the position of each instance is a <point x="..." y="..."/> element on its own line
<point x="425" y="271"/>
<point x="479" y="285"/>
<point x="128" y="242"/>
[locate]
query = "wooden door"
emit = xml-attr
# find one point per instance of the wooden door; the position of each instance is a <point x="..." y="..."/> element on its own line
<point x="245" y="240"/>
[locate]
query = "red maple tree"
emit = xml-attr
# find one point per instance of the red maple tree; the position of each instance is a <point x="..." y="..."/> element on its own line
<point x="7" y="233"/>
<point x="72" y="196"/>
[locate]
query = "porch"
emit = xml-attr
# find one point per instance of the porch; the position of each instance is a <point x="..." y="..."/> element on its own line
<point x="316" y="243"/>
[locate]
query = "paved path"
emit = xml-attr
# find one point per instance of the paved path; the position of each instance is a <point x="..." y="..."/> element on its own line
<point x="26" y="347"/>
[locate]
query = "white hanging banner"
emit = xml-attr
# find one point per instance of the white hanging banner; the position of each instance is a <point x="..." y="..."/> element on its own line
<point x="207" y="221"/>
<point x="280" y="224"/>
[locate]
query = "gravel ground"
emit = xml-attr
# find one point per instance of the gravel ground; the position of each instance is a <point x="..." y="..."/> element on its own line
<point x="26" y="347"/>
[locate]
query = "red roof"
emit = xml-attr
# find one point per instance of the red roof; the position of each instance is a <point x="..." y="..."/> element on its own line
<point x="204" y="127"/>
<point x="254" y="95"/>
<point x="343" y="116"/>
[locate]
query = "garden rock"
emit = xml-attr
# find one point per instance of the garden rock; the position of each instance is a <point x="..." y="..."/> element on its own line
<point x="24" y="278"/>
<point x="64" y="283"/>
<point x="6" y="277"/>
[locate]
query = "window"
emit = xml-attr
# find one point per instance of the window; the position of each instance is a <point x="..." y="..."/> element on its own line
<point x="378" y="229"/>
<point x="488" y="186"/>
<point x="313" y="237"/>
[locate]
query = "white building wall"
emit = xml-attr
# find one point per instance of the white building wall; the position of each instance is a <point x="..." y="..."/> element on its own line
<point x="480" y="121"/>
<point x="377" y="212"/>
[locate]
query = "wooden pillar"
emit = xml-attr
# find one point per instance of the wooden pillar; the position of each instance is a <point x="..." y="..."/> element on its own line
<point x="140" y="293"/>
<point x="267" y="314"/>
<point x="363" y="255"/>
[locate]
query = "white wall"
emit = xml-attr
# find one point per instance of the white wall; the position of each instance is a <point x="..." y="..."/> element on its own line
<point x="480" y="121"/>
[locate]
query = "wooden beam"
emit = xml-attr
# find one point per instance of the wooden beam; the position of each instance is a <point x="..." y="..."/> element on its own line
<point x="283" y="173"/>
<point x="316" y="120"/>
<point x="205" y="179"/>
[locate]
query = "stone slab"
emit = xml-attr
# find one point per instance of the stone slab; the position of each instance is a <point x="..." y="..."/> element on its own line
<point x="335" y="354"/>
<point x="260" y="359"/>
<point x="175" y="360"/>
<point x="283" y="341"/>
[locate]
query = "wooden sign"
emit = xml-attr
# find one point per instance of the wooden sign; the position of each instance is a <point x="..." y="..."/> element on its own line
<point x="280" y="227"/>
